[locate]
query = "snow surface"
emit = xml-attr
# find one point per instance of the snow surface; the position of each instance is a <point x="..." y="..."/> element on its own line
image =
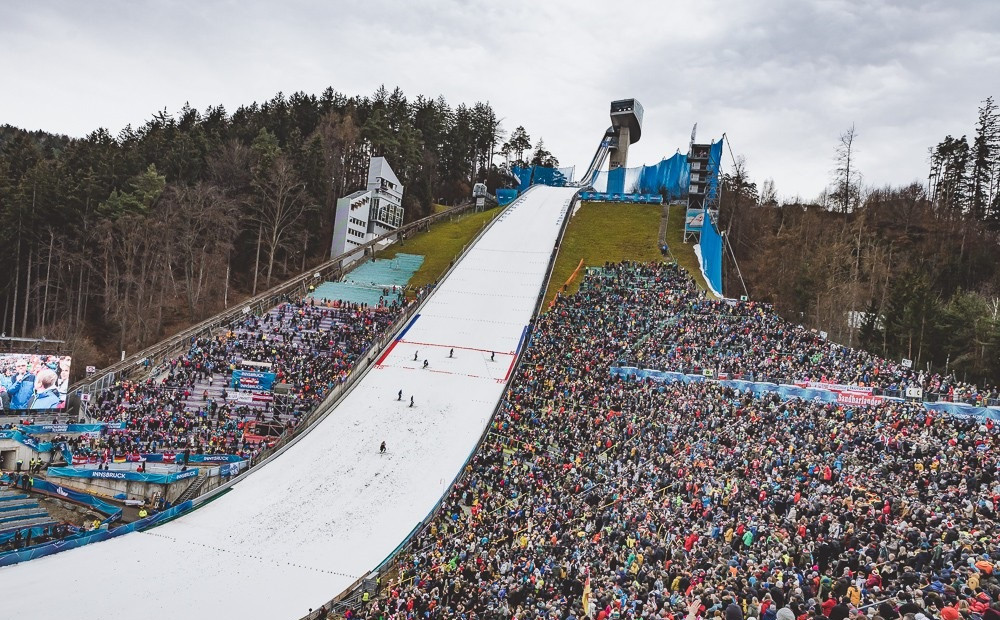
<point x="299" y="530"/>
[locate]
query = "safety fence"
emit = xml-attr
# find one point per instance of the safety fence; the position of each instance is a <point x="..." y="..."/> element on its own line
<point x="371" y="581"/>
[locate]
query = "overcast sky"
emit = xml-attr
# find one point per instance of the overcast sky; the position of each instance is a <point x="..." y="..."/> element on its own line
<point x="781" y="78"/>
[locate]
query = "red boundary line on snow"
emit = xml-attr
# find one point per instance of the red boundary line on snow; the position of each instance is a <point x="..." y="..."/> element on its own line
<point x="387" y="352"/>
<point x="510" y="369"/>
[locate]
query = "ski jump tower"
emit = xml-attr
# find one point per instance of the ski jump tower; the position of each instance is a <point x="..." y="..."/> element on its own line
<point x="626" y="129"/>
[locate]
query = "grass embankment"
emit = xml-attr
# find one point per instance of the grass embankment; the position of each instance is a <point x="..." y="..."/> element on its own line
<point x="440" y="245"/>
<point x="682" y="252"/>
<point x="605" y="232"/>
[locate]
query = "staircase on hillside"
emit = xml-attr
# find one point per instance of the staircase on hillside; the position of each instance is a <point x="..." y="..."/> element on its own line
<point x="192" y="491"/>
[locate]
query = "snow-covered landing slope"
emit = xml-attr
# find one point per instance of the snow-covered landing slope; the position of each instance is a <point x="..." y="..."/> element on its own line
<point x="299" y="530"/>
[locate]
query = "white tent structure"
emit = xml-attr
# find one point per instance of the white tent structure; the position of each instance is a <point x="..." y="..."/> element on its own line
<point x="300" y="529"/>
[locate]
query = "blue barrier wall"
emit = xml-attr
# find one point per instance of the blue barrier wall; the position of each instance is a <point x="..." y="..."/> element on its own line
<point x="506" y="196"/>
<point x="711" y="254"/>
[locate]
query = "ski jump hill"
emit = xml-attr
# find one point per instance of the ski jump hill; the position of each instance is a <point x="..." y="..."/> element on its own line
<point x="298" y="530"/>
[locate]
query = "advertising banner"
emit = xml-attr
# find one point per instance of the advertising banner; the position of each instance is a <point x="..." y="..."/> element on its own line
<point x="252" y="380"/>
<point x="858" y="398"/>
<point x="120" y="474"/>
<point x="694" y="221"/>
<point x="44" y="486"/>
<point x="36" y="429"/>
<point x="834" y="387"/>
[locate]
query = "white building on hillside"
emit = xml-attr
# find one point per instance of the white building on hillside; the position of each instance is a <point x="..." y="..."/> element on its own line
<point x="368" y="213"/>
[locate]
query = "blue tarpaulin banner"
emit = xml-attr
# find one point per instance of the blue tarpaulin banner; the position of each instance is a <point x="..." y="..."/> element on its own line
<point x="44" y="486"/>
<point x="628" y="198"/>
<point x="27" y="440"/>
<point x="616" y="181"/>
<point x="670" y="177"/>
<point x="711" y="255"/>
<point x="253" y="380"/>
<point x="119" y="474"/>
<point x="523" y="176"/>
<point x="506" y="196"/>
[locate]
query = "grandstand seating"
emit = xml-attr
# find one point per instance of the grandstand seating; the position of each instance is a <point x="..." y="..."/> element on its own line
<point x="19" y="511"/>
<point x="196" y="400"/>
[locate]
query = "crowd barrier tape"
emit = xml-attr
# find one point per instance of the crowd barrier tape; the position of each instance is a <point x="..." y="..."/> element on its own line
<point x="112" y="474"/>
<point x="99" y="535"/>
<point x="850" y="395"/>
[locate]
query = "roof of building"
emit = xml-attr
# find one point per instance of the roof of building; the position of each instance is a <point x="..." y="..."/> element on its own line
<point x="379" y="168"/>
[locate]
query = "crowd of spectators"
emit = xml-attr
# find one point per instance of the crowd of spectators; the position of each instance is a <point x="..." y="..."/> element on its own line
<point x="311" y="346"/>
<point x="749" y="340"/>
<point x="597" y="496"/>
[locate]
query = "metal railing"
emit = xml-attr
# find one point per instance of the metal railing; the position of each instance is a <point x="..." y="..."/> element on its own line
<point x="340" y="602"/>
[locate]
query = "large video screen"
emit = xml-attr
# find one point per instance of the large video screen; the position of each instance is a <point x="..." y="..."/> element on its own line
<point x="30" y="381"/>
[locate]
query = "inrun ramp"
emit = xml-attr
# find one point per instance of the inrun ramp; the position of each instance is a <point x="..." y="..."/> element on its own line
<point x="299" y="530"/>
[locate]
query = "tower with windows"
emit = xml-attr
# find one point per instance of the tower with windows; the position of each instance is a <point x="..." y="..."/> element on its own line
<point x="368" y="213"/>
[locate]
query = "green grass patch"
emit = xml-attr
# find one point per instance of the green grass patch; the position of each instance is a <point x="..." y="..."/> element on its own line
<point x="605" y="232"/>
<point x="440" y="245"/>
<point x="682" y="252"/>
